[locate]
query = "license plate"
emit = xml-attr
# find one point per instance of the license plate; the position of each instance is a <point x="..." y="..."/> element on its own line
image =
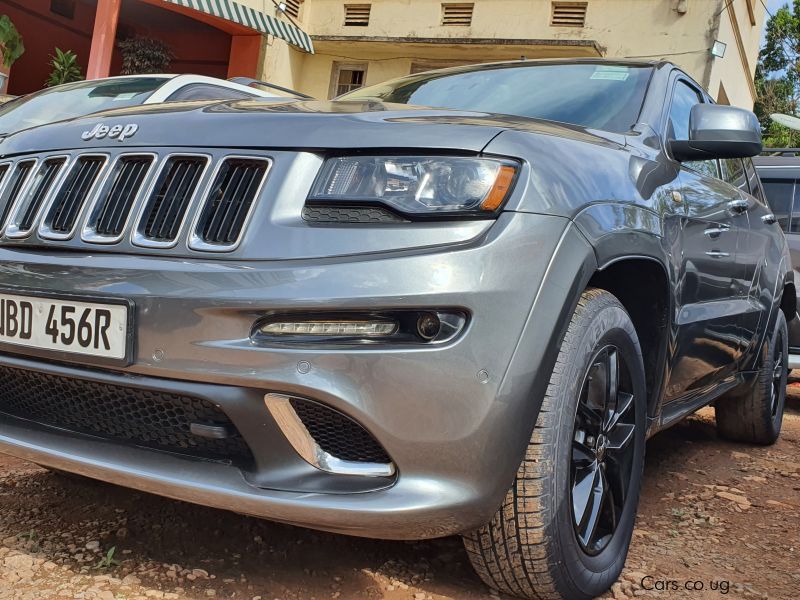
<point x="89" y="328"/>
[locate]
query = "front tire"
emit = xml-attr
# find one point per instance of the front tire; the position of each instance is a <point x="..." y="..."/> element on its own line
<point x="565" y="525"/>
<point x="755" y="417"/>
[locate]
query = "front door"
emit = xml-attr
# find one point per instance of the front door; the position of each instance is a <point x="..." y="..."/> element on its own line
<point x="707" y="343"/>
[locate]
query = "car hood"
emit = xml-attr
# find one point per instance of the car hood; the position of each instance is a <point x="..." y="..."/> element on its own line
<point x="302" y="125"/>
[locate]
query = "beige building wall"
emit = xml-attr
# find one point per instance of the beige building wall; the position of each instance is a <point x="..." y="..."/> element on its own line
<point x="732" y="76"/>
<point x="406" y="34"/>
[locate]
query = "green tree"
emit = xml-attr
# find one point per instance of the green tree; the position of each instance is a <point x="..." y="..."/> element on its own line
<point x="778" y="76"/>
<point x="11" y="46"/>
<point x="65" y="68"/>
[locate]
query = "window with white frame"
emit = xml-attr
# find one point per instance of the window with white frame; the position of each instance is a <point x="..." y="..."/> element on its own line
<point x="347" y="77"/>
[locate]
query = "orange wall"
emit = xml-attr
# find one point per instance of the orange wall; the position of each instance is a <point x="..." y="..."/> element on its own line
<point x="42" y="32"/>
<point x="198" y="47"/>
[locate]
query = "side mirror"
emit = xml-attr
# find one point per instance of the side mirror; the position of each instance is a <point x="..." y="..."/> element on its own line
<point x="717" y="131"/>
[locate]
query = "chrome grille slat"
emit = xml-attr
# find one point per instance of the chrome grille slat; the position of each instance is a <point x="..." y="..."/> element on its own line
<point x="228" y="204"/>
<point x="3" y="171"/>
<point x="47" y="175"/>
<point x="167" y="206"/>
<point x="131" y="198"/>
<point x="70" y="198"/>
<point x="117" y="204"/>
<point x="10" y="194"/>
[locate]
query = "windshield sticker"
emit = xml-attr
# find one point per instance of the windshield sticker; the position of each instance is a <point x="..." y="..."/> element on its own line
<point x="126" y="96"/>
<point x="611" y="73"/>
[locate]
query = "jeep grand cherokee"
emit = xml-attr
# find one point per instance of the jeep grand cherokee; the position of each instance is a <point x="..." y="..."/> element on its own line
<point x="454" y="303"/>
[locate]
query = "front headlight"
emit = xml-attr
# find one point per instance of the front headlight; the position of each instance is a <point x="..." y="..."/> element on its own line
<point x="417" y="185"/>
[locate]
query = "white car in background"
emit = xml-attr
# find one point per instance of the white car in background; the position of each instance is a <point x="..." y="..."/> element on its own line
<point x="81" y="98"/>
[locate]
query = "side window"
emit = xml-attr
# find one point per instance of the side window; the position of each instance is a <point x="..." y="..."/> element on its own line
<point x="205" y="91"/>
<point x="684" y="97"/>
<point x="780" y="195"/>
<point x="733" y="172"/>
<point x="753" y="180"/>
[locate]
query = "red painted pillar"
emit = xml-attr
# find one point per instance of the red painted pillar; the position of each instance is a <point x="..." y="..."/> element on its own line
<point x="105" y="30"/>
<point x="245" y="51"/>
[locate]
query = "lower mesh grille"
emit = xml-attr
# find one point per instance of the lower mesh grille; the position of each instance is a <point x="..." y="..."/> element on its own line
<point x="154" y="419"/>
<point x="339" y="435"/>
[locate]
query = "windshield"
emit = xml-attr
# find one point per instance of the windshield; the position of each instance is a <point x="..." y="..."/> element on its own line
<point x="75" y="100"/>
<point x="597" y="96"/>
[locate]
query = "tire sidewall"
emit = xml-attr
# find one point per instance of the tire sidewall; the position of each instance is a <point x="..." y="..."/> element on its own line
<point x="780" y="337"/>
<point x="610" y="324"/>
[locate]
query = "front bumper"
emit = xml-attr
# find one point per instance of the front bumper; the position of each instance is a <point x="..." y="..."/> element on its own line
<point x="455" y="437"/>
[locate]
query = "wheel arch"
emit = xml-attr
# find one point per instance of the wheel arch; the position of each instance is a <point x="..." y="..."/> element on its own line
<point x="789" y="301"/>
<point x="642" y="285"/>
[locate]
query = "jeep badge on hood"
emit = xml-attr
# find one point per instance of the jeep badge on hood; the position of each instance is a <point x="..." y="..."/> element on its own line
<point x="120" y="132"/>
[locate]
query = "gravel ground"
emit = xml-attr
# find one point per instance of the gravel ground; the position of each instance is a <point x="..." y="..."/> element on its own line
<point x="717" y="520"/>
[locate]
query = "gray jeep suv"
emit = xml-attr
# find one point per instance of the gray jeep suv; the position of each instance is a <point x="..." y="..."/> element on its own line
<point x="455" y="303"/>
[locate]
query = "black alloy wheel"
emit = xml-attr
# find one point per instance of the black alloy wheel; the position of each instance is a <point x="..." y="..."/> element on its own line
<point x="777" y="389"/>
<point x="602" y="452"/>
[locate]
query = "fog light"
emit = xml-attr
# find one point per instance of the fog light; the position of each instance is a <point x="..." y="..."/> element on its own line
<point x="331" y="328"/>
<point x="428" y="326"/>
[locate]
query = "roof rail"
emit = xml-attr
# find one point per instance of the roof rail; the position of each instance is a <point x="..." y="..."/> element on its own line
<point x="780" y="151"/>
<point x="249" y="81"/>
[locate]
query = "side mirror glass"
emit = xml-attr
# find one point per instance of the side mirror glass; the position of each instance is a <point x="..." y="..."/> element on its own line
<point x="717" y="131"/>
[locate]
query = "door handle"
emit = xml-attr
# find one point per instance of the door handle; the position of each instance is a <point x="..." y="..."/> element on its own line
<point x="718" y="254"/>
<point x="738" y="206"/>
<point x="769" y="219"/>
<point x="715" y="231"/>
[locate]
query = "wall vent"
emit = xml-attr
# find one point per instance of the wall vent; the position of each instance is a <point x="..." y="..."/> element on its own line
<point x="457" y="14"/>
<point x="568" y="14"/>
<point x="292" y="8"/>
<point x="356" y="15"/>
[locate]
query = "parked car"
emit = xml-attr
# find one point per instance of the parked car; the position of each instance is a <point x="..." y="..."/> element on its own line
<point x="779" y="170"/>
<point x="85" y="97"/>
<point x="453" y="303"/>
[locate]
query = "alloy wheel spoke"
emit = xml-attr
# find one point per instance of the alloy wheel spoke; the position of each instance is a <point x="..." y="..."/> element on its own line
<point x="777" y="369"/>
<point x="582" y="455"/>
<point x="592" y="509"/>
<point x="611" y="502"/>
<point x="620" y="437"/>
<point x="582" y="486"/>
<point x="592" y="419"/>
<point x="624" y="404"/>
<point x="612" y="377"/>
<point x="618" y="467"/>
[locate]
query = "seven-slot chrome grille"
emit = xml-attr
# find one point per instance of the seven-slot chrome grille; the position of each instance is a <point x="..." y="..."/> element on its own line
<point x="148" y="199"/>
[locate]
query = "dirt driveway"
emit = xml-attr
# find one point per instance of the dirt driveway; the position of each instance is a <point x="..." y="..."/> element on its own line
<point x="717" y="520"/>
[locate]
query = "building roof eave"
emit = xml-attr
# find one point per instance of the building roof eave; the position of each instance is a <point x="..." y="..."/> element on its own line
<point x="587" y="44"/>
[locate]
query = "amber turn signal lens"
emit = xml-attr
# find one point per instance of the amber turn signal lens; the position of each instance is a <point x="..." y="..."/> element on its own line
<point x="500" y="188"/>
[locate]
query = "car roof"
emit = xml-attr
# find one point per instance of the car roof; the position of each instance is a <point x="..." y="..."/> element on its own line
<point x="530" y="62"/>
<point x="778" y="163"/>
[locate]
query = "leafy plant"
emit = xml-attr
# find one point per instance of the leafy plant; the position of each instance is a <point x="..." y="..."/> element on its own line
<point x="65" y="68"/>
<point x="144" y="55"/>
<point x="32" y="537"/>
<point x="10" y="42"/>
<point x="108" y="560"/>
<point x="28" y="535"/>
